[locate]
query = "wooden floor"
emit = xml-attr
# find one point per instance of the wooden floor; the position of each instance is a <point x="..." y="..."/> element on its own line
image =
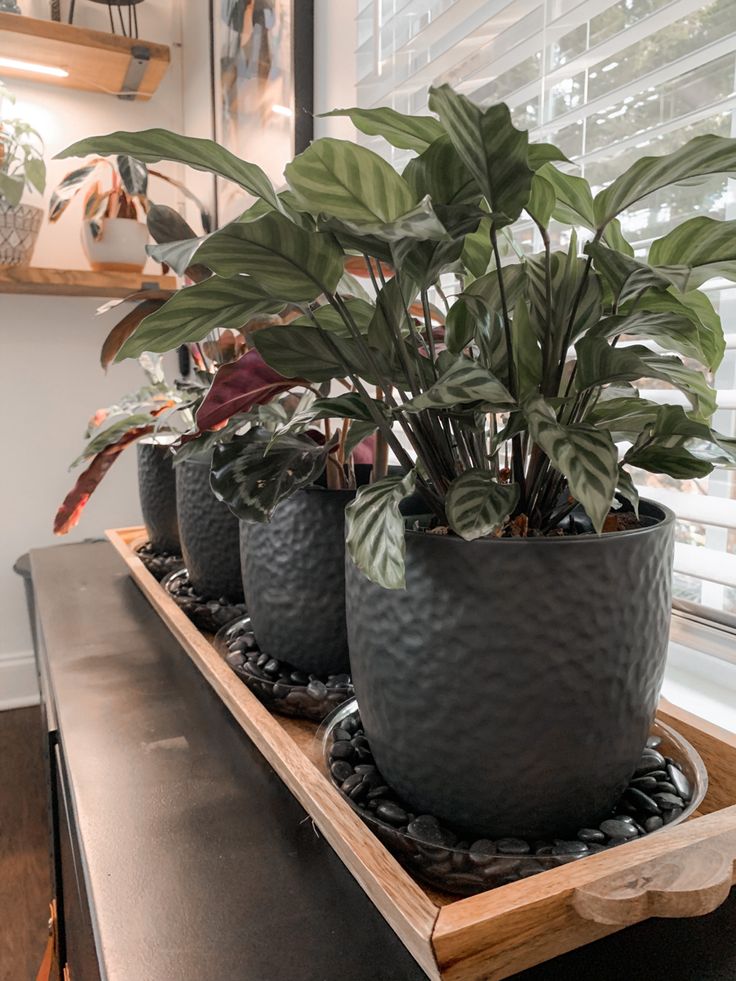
<point x="25" y="888"/>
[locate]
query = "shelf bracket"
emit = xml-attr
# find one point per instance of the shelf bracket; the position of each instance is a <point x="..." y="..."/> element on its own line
<point x="140" y="56"/>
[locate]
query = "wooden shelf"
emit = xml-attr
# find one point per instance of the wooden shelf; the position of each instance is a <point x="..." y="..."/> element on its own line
<point x="77" y="282"/>
<point x="97" y="62"/>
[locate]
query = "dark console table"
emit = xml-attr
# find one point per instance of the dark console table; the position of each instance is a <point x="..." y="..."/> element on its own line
<point x="180" y="856"/>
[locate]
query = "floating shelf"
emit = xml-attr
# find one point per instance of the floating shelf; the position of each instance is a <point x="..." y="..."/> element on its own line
<point x="77" y="282"/>
<point x="96" y="62"/>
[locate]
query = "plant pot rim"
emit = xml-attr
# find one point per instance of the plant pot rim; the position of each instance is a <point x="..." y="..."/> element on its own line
<point x="137" y="221"/>
<point x="667" y="518"/>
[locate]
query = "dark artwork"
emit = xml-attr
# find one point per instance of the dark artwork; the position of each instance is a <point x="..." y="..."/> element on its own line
<point x="263" y="86"/>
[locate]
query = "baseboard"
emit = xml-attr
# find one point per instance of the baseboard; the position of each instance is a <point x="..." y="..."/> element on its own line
<point x="18" y="681"/>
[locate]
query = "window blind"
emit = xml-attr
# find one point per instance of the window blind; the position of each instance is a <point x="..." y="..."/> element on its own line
<point x="607" y="83"/>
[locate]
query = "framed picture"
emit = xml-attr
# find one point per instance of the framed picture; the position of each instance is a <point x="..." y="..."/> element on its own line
<point x="263" y="69"/>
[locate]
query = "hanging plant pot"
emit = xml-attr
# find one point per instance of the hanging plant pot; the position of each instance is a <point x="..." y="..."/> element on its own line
<point x="19" y="228"/>
<point x="157" y="491"/>
<point x="208" y="533"/>
<point x="510" y="688"/>
<point x="294" y="580"/>
<point x="115" y="244"/>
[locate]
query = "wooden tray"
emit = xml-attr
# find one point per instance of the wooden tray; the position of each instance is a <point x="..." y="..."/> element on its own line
<point x="687" y="870"/>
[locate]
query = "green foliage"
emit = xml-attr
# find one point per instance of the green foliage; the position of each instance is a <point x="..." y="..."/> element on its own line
<point x="21" y="154"/>
<point x="495" y="421"/>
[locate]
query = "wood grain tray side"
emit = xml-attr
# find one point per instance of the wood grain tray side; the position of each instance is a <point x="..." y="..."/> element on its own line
<point x="683" y="871"/>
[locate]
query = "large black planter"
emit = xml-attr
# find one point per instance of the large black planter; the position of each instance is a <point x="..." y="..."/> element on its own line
<point x="510" y="688"/>
<point x="209" y="534"/>
<point x="157" y="492"/>
<point x="294" y="580"/>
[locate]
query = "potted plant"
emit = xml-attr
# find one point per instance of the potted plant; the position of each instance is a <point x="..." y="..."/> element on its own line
<point x="21" y="168"/>
<point x="116" y="203"/>
<point x="508" y="652"/>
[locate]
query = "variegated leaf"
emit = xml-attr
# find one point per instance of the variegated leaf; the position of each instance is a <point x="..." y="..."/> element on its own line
<point x="196" y="310"/>
<point x="329" y="319"/>
<point x="706" y="322"/>
<point x="405" y="132"/>
<point x="697" y="158"/>
<point x="490" y="146"/>
<point x="627" y="489"/>
<point x="696" y="251"/>
<point x="477" y="505"/>
<point x="673" y="332"/>
<point x="464" y="382"/>
<point x="346" y="181"/>
<point x="627" y="277"/>
<point x="375" y="530"/>
<point x="585" y="456"/>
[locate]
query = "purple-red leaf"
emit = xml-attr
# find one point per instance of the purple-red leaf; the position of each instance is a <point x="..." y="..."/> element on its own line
<point x="239" y="386"/>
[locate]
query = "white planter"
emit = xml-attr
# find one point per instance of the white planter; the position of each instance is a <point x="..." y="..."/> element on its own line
<point x="19" y="228"/>
<point x="119" y="244"/>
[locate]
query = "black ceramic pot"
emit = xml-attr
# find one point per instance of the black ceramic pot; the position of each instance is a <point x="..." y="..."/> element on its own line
<point x="157" y="492"/>
<point x="294" y="580"/>
<point x="510" y="688"/>
<point x="209" y="534"/>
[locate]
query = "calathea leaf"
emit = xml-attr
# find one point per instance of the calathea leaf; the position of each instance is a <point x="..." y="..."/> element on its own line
<point x="542" y="153"/>
<point x="350" y="405"/>
<point x="307" y="352"/>
<point x="125" y="327"/>
<point x="598" y="364"/>
<point x="194" y="311"/>
<point x="177" y="254"/>
<point x="696" y="251"/>
<point x="627" y="489"/>
<point x="585" y="456"/>
<point x="240" y="385"/>
<point x="329" y="319"/>
<point x="152" y="145"/>
<point x="623" y="415"/>
<point x="527" y="352"/>
<point x="359" y="431"/>
<point x="198" y="446"/>
<point x="375" y="530"/>
<point x="477" y="505"/>
<point x="346" y="181"/>
<point x="697" y="158"/>
<point x="133" y="174"/>
<point x="389" y="317"/>
<point x="541" y="201"/>
<point x="700" y="440"/>
<point x="287" y="261"/>
<point x="440" y="173"/>
<point x="667" y="455"/>
<point x="672" y="331"/>
<point x="404" y="132"/>
<point x="420" y="223"/>
<point x="253" y="473"/>
<point x="167" y="225"/>
<point x="575" y="206"/>
<point x="627" y="277"/>
<point x="568" y="276"/>
<point x="481" y="303"/>
<point x="492" y="149"/>
<point x="707" y="328"/>
<point x="464" y="382"/>
<point x="477" y="249"/>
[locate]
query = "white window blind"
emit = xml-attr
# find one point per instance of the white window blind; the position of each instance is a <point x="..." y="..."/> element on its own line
<point x="607" y="83"/>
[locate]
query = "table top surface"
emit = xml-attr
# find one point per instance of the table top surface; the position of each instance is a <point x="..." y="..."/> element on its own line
<point x="199" y="863"/>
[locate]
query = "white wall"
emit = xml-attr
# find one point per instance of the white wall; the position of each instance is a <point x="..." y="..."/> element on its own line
<point x="334" y="65"/>
<point x="49" y="346"/>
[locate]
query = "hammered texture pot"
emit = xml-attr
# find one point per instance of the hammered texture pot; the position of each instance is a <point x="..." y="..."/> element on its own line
<point x="510" y="688"/>
<point x="157" y="492"/>
<point x="19" y="228"/>
<point x="294" y="580"/>
<point x="208" y="532"/>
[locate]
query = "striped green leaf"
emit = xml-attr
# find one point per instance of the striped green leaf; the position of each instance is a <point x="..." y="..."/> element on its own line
<point x="599" y="364"/>
<point x="253" y="473"/>
<point x="585" y="456"/>
<point x="329" y="319"/>
<point x="420" y="222"/>
<point x="287" y="261"/>
<point x="696" y="251"/>
<point x="673" y="423"/>
<point x="477" y="505"/>
<point x="346" y="181"/>
<point x="543" y="153"/>
<point x="405" y="132"/>
<point x="490" y="146"/>
<point x="306" y="352"/>
<point x="574" y="206"/>
<point x="152" y="145"/>
<point x="349" y="405"/>
<point x="706" y="324"/>
<point x="541" y="201"/>
<point x="627" y="489"/>
<point x="623" y="415"/>
<point x="375" y="530"/>
<point x="527" y="352"/>
<point x="568" y="277"/>
<point x="481" y="302"/>
<point x="627" y="277"/>
<point x="440" y="173"/>
<point x="464" y="382"/>
<point x="196" y="310"/>
<point x="669" y="456"/>
<point x="697" y="158"/>
<point x="674" y="332"/>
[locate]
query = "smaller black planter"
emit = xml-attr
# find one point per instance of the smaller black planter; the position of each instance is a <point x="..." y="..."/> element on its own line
<point x="209" y="535"/>
<point x="157" y="491"/>
<point x="294" y="580"/>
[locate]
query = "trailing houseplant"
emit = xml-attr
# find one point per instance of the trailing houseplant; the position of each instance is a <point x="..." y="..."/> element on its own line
<point x="116" y="200"/>
<point x="22" y="168"/>
<point x="529" y="614"/>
